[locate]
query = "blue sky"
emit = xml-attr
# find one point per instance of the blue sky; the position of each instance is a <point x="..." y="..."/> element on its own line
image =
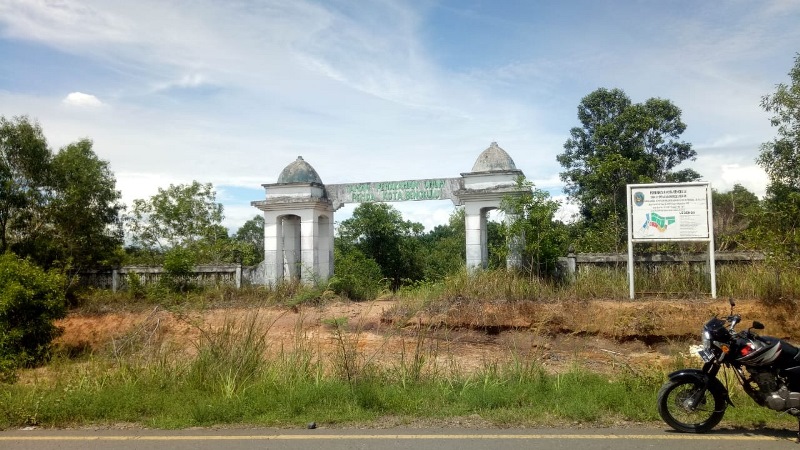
<point x="230" y="92"/>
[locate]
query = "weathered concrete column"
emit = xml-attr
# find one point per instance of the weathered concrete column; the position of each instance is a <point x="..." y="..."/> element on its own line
<point x="476" y="236"/>
<point x="292" y="239"/>
<point x="273" y="246"/>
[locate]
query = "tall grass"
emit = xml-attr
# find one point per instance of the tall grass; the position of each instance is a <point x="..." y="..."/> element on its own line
<point x="231" y="380"/>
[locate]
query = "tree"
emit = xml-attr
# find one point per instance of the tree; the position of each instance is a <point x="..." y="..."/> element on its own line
<point x="85" y="207"/>
<point x="181" y="215"/>
<point x="734" y="213"/>
<point x="24" y="167"/>
<point x="251" y="235"/>
<point x="618" y="143"/>
<point x="445" y="247"/>
<point x="379" y="232"/>
<point x="532" y="218"/>
<point x="780" y="158"/>
<point x="59" y="210"/>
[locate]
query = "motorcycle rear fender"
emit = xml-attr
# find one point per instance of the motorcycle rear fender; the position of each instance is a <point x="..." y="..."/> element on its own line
<point x="711" y="383"/>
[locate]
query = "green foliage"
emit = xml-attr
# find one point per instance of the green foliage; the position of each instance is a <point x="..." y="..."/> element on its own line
<point x="251" y="235"/>
<point x="780" y="158"/>
<point x="30" y="300"/>
<point x="24" y="166"/>
<point x="380" y="233"/>
<point x="59" y="210"/>
<point x="734" y="212"/>
<point x="444" y="248"/>
<point x="618" y="143"/>
<point x="357" y="277"/>
<point x="539" y="238"/>
<point x="186" y="217"/>
<point x="179" y="264"/>
<point x="181" y="215"/>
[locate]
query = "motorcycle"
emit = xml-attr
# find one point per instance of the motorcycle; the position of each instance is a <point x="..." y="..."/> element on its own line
<point x="768" y="369"/>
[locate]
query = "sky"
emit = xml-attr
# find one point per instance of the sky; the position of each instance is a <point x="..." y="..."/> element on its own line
<point x="230" y="92"/>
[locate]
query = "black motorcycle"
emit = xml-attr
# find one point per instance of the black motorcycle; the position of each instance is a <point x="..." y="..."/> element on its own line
<point x="768" y="368"/>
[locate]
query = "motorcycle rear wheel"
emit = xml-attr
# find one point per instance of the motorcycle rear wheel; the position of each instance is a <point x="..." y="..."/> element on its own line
<point x="688" y="406"/>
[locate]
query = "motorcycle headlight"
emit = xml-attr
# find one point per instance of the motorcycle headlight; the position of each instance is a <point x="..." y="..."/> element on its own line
<point x="705" y="339"/>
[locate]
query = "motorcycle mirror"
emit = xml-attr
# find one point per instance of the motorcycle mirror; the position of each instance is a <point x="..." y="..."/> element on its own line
<point x="758" y="325"/>
<point x="730" y="300"/>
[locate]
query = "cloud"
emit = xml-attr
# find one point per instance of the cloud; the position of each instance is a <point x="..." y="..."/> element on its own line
<point x="82" y="100"/>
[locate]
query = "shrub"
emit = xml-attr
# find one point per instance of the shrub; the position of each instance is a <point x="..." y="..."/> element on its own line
<point x="357" y="277"/>
<point x="30" y="300"/>
<point x="179" y="265"/>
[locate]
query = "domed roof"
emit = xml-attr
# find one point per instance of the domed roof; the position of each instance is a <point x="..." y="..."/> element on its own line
<point x="492" y="159"/>
<point x="299" y="172"/>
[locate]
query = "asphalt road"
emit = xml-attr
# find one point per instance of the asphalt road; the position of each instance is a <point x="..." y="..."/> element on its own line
<point x="417" y="439"/>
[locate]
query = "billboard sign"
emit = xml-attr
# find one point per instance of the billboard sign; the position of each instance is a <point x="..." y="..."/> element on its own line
<point x="669" y="212"/>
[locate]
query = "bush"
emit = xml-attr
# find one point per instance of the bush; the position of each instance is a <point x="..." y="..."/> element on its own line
<point x="30" y="301"/>
<point x="179" y="265"/>
<point x="357" y="277"/>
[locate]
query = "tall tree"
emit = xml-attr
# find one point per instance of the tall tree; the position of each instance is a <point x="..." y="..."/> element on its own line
<point x="618" y="143"/>
<point x="180" y="215"/>
<point x="24" y="168"/>
<point x="85" y="207"/>
<point x="59" y="210"/>
<point x="780" y="158"/>
<point x="380" y="233"/>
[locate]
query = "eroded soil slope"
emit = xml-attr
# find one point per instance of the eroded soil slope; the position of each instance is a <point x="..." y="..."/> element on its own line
<point x="601" y="335"/>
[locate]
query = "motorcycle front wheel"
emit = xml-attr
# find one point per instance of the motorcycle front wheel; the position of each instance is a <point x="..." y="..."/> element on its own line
<point x="688" y="406"/>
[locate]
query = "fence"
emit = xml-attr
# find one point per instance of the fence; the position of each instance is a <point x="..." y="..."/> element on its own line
<point x="204" y="275"/>
<point x="237" y="275"/>
<point x="571" y="264"/>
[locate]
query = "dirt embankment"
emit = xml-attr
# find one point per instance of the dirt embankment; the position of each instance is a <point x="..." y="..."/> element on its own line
<point x="597" y="334"/>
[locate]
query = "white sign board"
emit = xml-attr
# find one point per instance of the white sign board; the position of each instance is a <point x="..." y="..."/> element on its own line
<point x="671" y="212"/>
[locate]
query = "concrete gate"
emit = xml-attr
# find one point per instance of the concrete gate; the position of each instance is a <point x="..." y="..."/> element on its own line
<point x="298" y="212"/>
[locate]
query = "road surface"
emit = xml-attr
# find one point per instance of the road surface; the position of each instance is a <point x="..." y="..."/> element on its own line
<point x="385" y="439"/>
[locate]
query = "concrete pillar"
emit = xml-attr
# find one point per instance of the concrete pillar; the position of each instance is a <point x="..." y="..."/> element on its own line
<point x="474" y="224"/>
<point x="273" y="247"/>
<point x="325" y="247"/>
<point x="292" y="239"/>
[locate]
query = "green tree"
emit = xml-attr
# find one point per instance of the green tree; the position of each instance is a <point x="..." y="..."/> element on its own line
<point x="379" y="232"/>
<point x="543" y="239"/>
<point x="30" y="301"/>
<point x="734" y="213"/>
<point x="780" y="158"/>
<point x="180" y="216"/>
<point x="620" y="142"/>
<point x="59" y="210"/>
<point x="85" y="207"/>
<point x="24" y="168"/>
<point x="444" y="247"/>
<point x="251" y="235"/>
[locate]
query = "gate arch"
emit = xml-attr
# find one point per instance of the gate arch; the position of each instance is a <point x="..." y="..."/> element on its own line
<point x="299" y="212"/>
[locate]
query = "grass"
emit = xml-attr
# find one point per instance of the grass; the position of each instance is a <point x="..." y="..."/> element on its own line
<point x="235" y="374"/>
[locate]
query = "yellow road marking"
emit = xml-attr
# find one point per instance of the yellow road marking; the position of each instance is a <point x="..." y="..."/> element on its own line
<point x="357" y="437"/>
